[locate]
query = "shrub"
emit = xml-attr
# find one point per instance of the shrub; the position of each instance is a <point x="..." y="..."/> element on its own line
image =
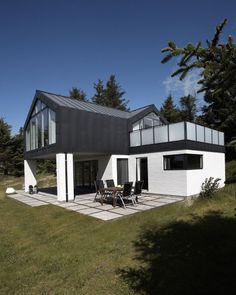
<point x="209" y="187"/>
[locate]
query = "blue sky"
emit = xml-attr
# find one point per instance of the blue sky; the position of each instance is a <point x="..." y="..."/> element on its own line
<point x="56" y="44"/>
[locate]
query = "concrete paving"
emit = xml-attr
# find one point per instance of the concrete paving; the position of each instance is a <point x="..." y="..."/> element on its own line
<point x="84" y="204"/>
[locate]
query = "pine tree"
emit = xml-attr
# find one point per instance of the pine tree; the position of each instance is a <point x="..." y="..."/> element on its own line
<point x="5" y="144"/>
<point x="78" y="94"/>
<point x="188" y="108"/>
<point x="170" y="111"/>
<point x="110" y="95"/>
<point x="99" y="96"/>
<point x="17" y="152"/>
<point x="217" y="62"/>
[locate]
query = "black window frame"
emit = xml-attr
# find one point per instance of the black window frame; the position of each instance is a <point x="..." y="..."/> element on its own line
<point x="185" y="162"/>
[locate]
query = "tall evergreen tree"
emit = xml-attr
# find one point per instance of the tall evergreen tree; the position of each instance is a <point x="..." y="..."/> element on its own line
<point x="170" y="111"/>
<point x="99" y="96"/>
<point x="77" y="93"/>
<point x="188" y="108"/>
<point x="17" y="152"/>
<point x="110" y="95"/>
<point x="5" y="147"/>
<point x="217" y="62"/>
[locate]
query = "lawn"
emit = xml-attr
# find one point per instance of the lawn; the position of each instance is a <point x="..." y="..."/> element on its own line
<point x="175" y="249"/>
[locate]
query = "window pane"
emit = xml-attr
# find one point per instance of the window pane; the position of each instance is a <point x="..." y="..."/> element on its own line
<point x="38" y="106"/>
<point x="194" y="161"/>
<point x="136" y="126"/>
<point x="161" y="134"/>
<point x="45" y="127"/>
<point x="176" y="131"/>
<point x="147" y="123"/>
<point x="27" y="134"/>
<point x="33" y="133"/>
<point x="174" y="162"/>
<point x="191" y="131"/>
<point x="183" y="162"/>
<point x="52" y="127"/>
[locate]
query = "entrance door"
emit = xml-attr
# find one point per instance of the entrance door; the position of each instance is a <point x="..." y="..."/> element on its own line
<point x="122" y="171"/>
<point x="142" y="171"/>
<point x="86" y="173"/>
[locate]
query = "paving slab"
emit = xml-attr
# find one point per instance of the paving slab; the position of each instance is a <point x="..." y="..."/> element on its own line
<point x="106" y="215"/>
<point x="88" y="211"/>
<point x="124" y="211"/>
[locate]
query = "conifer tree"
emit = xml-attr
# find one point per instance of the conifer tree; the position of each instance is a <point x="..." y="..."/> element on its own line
<point x="170" y="111"/>
<point x="5" y="147"/>
<point x="188" y="108"/>
<point x="217" y="62"/>
<point x="110" y="95"/>
<point x="77" y="93"/>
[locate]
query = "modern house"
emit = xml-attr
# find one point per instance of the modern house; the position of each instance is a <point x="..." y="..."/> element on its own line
<point x="91" y="142"/>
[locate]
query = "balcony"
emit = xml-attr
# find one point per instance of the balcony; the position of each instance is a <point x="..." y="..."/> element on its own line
<point x="176" y="132"/>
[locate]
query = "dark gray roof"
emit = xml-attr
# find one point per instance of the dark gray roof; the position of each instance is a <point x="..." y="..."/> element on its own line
<point x="65" y="101"/>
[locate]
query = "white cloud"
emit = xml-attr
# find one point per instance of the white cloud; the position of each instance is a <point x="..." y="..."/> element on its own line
<point x="187" y="86"/>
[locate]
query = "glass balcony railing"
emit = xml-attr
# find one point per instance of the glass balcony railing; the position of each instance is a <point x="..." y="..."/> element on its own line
<point x="175" y="132"/>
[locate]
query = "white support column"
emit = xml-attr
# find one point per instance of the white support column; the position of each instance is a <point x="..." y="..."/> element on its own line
<point x="65" y="177"/>
<point x="70" y="177"/>
<point x="30" y="173"/>
<point x="61" y="177"/>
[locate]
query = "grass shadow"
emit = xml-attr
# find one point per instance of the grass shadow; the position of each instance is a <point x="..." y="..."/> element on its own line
<point x="197" y="257"/>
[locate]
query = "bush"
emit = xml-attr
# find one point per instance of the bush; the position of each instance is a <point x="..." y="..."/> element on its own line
<point x="209" y="187"/>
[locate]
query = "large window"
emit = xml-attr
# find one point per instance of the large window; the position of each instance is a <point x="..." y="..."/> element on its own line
<point x="183" y="162"/>
<point x="148" y="121"/>
<point x="41" y="129"/>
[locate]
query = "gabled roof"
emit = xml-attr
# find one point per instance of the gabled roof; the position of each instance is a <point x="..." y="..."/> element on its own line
<point x="67" y="102"/>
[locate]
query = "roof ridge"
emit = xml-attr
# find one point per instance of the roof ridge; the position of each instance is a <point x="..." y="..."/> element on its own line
<point x="142" y="107"/>
<point x="89" y="102"/>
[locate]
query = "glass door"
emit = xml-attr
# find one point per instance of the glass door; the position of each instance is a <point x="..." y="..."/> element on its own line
<point x="122" y="171"/>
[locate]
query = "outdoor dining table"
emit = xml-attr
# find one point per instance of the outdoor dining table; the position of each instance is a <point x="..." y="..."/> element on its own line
<point x="114" y="191"/>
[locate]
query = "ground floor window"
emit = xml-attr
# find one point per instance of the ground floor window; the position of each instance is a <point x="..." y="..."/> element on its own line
<point x="183" y="162"/>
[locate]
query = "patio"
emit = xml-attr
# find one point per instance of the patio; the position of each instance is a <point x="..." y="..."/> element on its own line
<point x="85" y="204"/>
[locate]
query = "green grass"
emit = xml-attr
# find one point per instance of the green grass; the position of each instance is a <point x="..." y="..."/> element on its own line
<point x="175" y="249"/>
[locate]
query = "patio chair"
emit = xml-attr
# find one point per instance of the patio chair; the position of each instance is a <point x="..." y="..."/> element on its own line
<point x="99" y="187"/>
<point x="126" y="194"/>
<point x="110" y="183"/>
<point x="138" y="189"/>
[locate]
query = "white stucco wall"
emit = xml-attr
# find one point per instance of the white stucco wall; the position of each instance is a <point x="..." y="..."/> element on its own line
<point x="179" y="182"/>
<point x="167" y="182"/>
<point x="213" y="166"/>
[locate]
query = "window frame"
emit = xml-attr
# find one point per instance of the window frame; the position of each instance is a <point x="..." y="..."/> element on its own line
<point x="185" y="162"/>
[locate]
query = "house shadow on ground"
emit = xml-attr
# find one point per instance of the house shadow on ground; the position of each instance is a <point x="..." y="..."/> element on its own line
<point x="186" y="258"/>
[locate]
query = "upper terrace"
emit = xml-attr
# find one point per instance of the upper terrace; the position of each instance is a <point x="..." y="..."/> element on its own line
<point x="177" y="132"/>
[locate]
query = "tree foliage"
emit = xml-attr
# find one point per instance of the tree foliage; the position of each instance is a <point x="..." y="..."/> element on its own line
<point x="170" y="111"/>
<point x="217" y="62"/>
<point x="110" y="95"/>
<point x="77" y="93"/>
<point x="5" y="144"/>
<point x="188" y="108"/>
